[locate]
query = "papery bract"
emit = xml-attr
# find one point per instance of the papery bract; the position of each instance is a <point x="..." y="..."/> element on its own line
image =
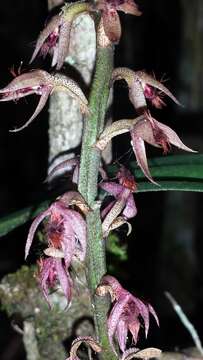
<point x="88" y="340"/>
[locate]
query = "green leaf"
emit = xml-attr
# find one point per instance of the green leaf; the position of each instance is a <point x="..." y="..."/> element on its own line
<point x="20" y="217"/>
<point x="174" y="173"/>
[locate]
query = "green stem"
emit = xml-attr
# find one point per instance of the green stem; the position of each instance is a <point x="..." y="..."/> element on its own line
<point x="88" y="187"/>
<point x="90" y="157"/>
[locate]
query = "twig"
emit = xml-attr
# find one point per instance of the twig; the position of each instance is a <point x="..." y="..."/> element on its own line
<point x="186" y="322"/>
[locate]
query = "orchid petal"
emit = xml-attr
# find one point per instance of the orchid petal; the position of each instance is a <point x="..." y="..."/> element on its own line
<point x="150" y="80"/>
<point x="115" y="210"/>
<point x="33" y="229"/>
<point x="115" y="315"/>
<point x="79" y="227"/>
<point x="172" y="136"/>
<point x="112" y="188"/>
<point x="140" y="153"/>
<point x="63" y="167"/>
<point x="130" y="209"/>
<point x="51" y="26"/>
<point x="44" y="276"/>
<point x="129" y="7"/>
<point x="64" y="279"/>
<point x="134" y="327"/>
<point x="63" y="43"/>
<point x="153" y="312"/>
<point x="144" y="312"/>
<point x="31" y="80"/>
<point x="121" y="334"/>
<point x="41" y="104"/>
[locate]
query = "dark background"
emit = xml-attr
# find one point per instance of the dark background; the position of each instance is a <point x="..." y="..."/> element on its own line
<point x="165" y="250"/>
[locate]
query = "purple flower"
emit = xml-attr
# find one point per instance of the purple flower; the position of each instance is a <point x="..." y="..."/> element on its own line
<point x="127" y="313"/>
<point x="41" y="83"/>
<point x="143" y="129"/>
<point x="50" y="270"/>
<point x="55" y="37"/>
<point x="111" y="21"/>
<point x="65" y="229"/>
<point x="66" y="236"/>
<point x="142" y="86"/>
<point x="124" y="203"/>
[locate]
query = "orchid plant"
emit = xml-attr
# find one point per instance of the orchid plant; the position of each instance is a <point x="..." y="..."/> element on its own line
<point x="77" y="224"/>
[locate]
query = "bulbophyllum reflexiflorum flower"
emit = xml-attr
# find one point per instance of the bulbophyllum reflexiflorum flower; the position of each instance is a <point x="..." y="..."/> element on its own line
<point x="65" y="229"/>
<point x="111" y="21"/>
<point x="143" y="128"/>
<point x="42" y="83"/>
<point x="142" y="86"/>
<point x="124" y="203"/>
<point x="127" y="314"/>
<point x="52" y="269"/>
<point x="88" y="340"/>
<point x="55" y="37"/>
<point x="66" y="236"/>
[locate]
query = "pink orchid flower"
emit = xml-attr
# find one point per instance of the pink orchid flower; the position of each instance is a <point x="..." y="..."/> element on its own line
<point x="111" y="21"/>
<point x="50" y="270"/>
<point x="41" y="83"/>
<point x="142" y="86"/>
<point x="65" y="229"/>
<point x="124" y="203"/>
<point x="154" y="133"/>
<point x="127" y="313"/>
<point x="143" y="129"/>
<point x="55" y="37"/>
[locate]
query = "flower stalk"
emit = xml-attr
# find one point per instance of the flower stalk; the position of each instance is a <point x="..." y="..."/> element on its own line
<point x="89" y="168"/>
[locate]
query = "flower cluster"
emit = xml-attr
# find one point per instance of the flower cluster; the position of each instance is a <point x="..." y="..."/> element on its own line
<point x="66" y="237"/>
<point x="143" y="128"/>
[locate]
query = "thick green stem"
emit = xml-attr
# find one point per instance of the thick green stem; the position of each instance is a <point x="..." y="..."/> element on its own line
<point x="88" y="187"/>
<point x="90" y="157"/>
